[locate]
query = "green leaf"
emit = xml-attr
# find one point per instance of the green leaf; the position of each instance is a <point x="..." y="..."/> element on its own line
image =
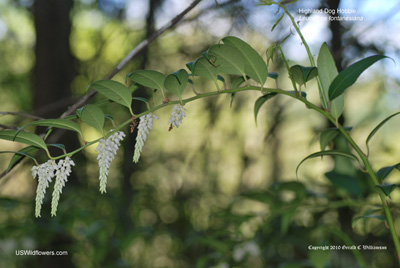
<point x="190" y="66"/>
<point x="57" y="145"/>
<point x="227" y="59"/>
<point x="330" y="152"/>
<point x="221" y="78"/>
<point x="273" y="75"/>
<point x="277" y="22"/>
<point x="204" y="69"/>
<point x="18" y="156"/>
<point x="176" y="82"/>
<point x="23" y="137"/>
<point x="110" y="117"/>
<point x="303" y="94"/>
<point x="356" y="219"/>
<point x="385" y="171"/>
<point x="260" y="101"/>
<point x="141" y="99"/>
<point x="345" y="181"/>
<point x="115" y="91"/>
<point x="270" y="52"/>
<point x="349" y="76"/>
<point x="238" y="81"/>
<point x="303" y="74"/>
<point x="387" y="189"/>
<point x="148" y="78"/>
<point x="327" y="72"/>
<point x="254" y="65"/>
<point x="326" y="137"/>
<point x="58" y="123"/>
<point x="378" y="127"/>
<point x="93" y="116"/>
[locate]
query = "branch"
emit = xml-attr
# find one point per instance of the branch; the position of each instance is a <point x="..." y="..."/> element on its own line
<point x="22" y="114"/>
<point x="139" y="48"/>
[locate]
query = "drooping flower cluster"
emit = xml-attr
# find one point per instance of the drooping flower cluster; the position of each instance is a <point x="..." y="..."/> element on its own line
<point x="62" y="173"/>
<point x="145" y="125"/>
<point x="45" y="172"/>
<point x="107" y="149"/>
<point x="178" y="113"/>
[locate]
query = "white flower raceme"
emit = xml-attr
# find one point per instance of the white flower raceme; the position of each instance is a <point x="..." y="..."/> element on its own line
<point x="178" y="113"/>
<point x="107" y="149"/>
<point x="62" y="173"/>
<point x="44" y="172"/>
<point x="145" y="125"/>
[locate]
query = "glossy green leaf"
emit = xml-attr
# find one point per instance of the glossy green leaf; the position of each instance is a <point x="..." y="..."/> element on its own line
<point x="327" y="72"/>
<point x="204" y="69"/>
<point x="93" y="116"/>
<point x="57" y="123"/>
<point x="303" y="74"/>
<point x="345" y="181"/>
<point x="18" y="156"/>
<point x="349" y="76"/>
<point x="23" y="137"/>
<point x="148" y="78"/>
<point x="57" y="145"/>
<point x="378" y="217"/>
<point x="273" y="75"/>
<point x="385" y="171"/>
<point x="373" y="132"/>
<point x="141" y="99"/>
<point x="254" y="65"/>
<point x="176" y="82"/>
<point x="238" y="81"/>
<point x="227" y="59"/>
<point x="221" y="78"/>
<point x="329" y="152"/>
<point x="190" y="66"/>
<point x="387" y="189"/>
<point x="326" y="137"/>
<point x="115" y="91"/>
<point x="108" y="116"/>
<point x="260" y="101"/>
<point x="270" y="52"/>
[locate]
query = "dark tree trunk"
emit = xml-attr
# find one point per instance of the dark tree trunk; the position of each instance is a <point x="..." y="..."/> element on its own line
<point x="337" y="32"/>
<point x="53" y="73"/>
<point x="54" y="69"/>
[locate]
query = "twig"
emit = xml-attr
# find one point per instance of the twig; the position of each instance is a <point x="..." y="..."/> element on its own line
<point x="8" y="127"/>
<point x="131" y="55"/>
<point x="128" y="58"/>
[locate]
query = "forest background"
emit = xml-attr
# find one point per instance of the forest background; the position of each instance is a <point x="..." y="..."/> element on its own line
<point x="218" y="191"/>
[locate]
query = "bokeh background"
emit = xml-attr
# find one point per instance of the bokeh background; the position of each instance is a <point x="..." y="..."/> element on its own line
<point x="218" y="191"/>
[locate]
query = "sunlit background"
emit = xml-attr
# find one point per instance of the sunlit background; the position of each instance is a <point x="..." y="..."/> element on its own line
<point x="219" y="191"/>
